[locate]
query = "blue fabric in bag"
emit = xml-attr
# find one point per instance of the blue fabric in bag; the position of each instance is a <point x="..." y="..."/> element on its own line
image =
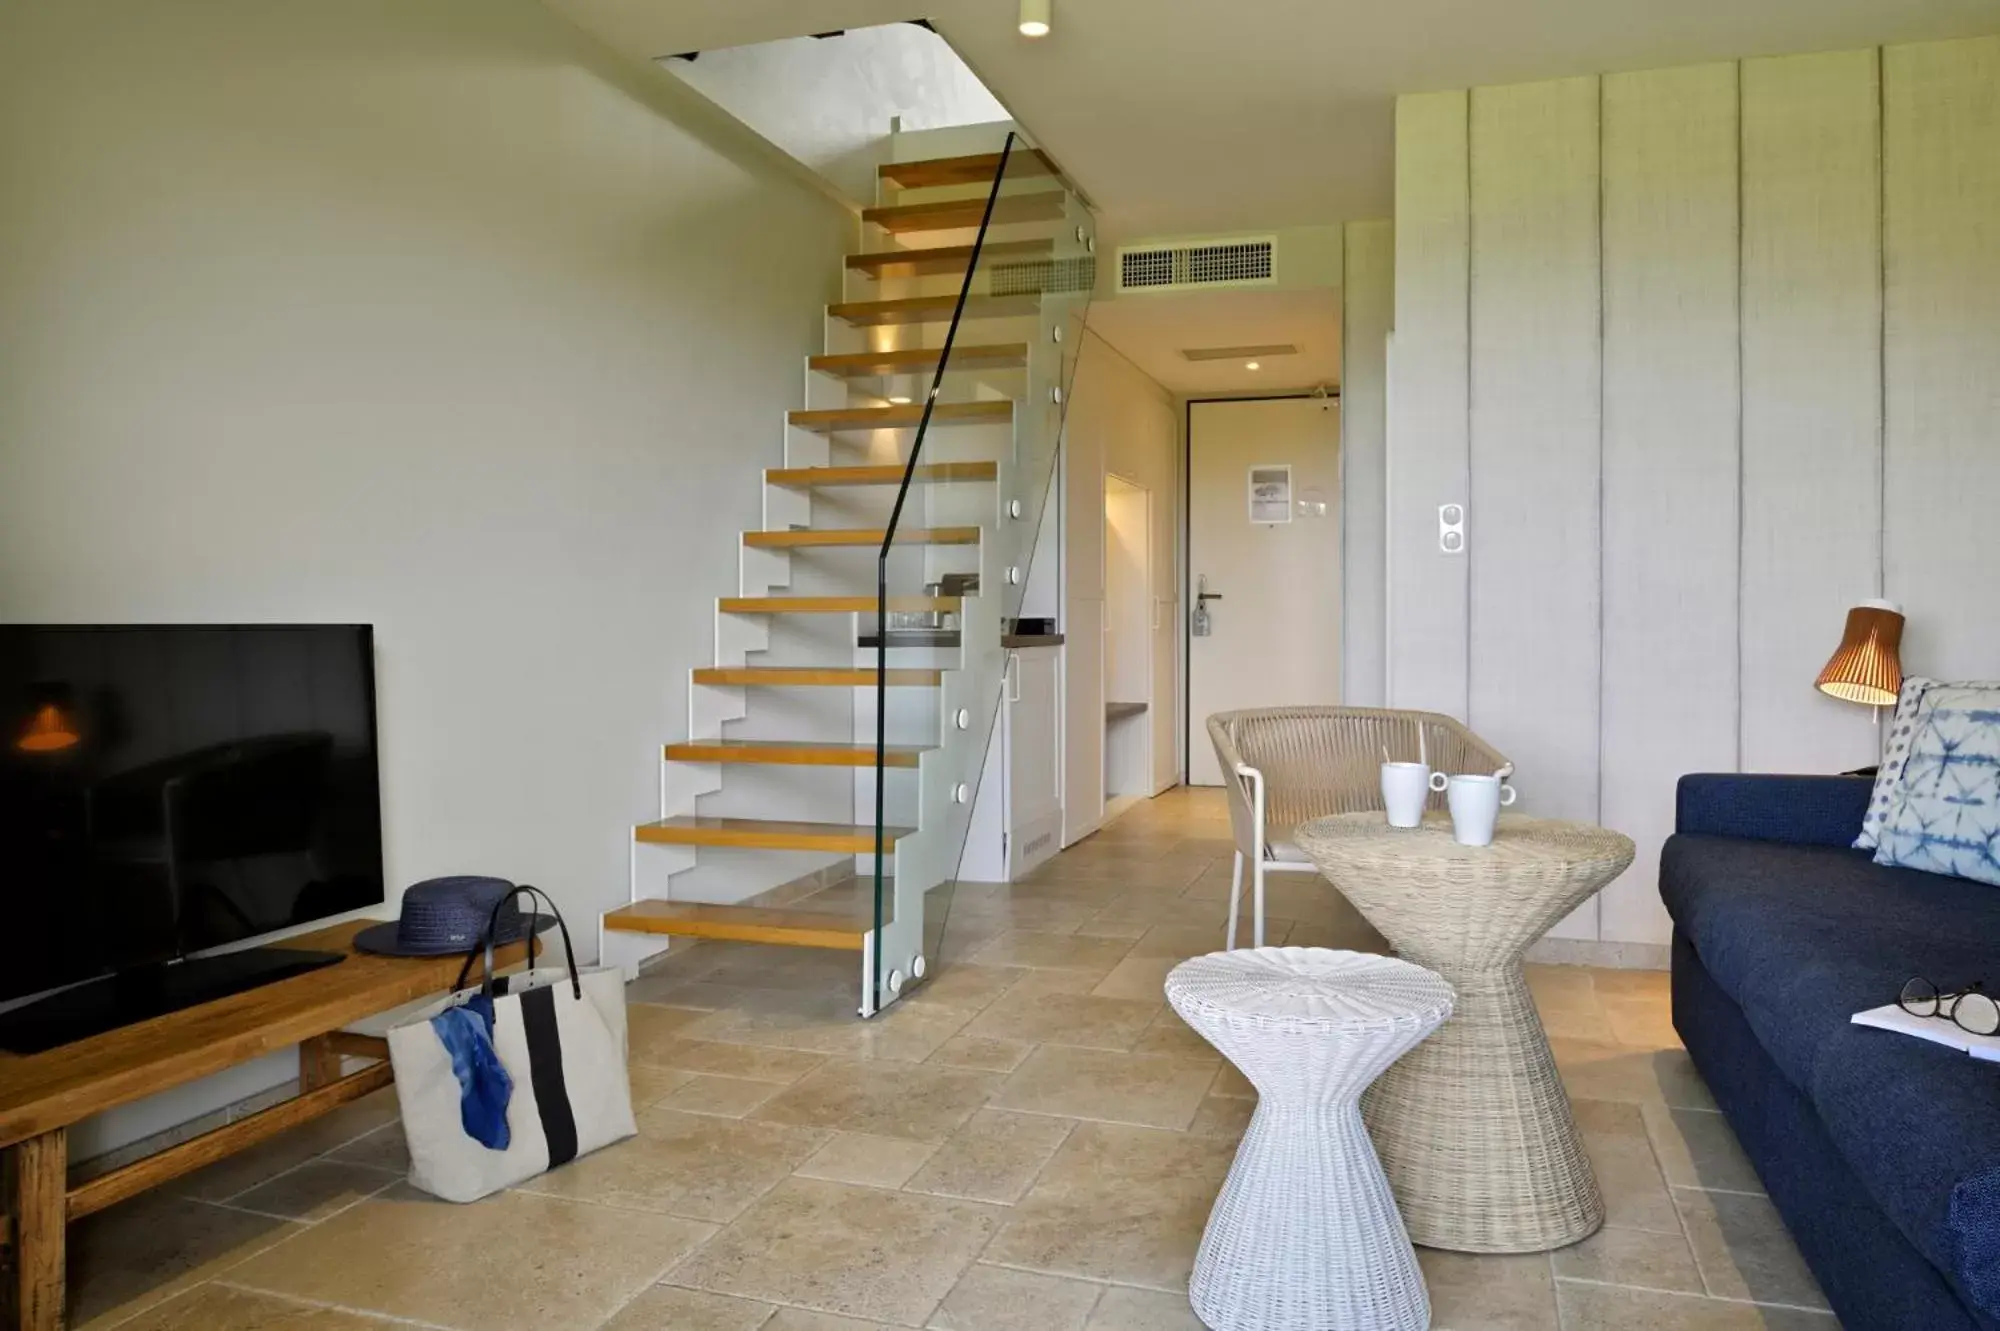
<point x="484" y="1088"/>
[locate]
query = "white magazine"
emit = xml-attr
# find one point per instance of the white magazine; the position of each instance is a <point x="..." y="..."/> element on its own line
<point x="1937" y="1030"/>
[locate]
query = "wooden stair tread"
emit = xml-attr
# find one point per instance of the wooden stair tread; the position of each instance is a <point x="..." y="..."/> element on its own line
<point x="802" y="478"/>
<point x="831" y="605"/>
<point x="920" y="360"/>
<point x="901" y="416"/>
<point x="970" y="169"/>
<point x="815" y="676"/>
<point x="747" y="924"/>
<point x="966" y="214"/>
<point x="793" y="540"/>
<point x="934" y="259"/>
<point x="766" y="834"/>
<point x="932" y="309"/>
<point x="789" y="753"/>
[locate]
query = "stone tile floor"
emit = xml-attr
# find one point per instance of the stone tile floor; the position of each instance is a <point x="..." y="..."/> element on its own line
<point x="1032" y="1140"/>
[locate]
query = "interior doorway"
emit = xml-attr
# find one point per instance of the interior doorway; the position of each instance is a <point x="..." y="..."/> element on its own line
<point x="1263" y="567"/>
<point x="1129" y="612"/>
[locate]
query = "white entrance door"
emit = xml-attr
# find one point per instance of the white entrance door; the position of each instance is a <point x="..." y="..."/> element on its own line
<point x="1264" y="544"/>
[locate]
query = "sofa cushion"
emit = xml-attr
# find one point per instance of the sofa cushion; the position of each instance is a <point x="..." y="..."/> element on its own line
<point x="1920" y="1126"/>
<point x="1974" y="1225"/>
<point x="1798" y="810"/>
<point x="1803" y="937"/>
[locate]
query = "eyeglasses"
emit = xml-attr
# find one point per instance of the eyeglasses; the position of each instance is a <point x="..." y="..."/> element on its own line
<point x="1971" y="1008"/>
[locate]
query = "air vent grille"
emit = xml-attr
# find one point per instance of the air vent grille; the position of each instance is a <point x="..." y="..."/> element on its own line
<point x="1202" y="264"/>
<point x="1038" y="275"/>
<point x="1145" y="268"/>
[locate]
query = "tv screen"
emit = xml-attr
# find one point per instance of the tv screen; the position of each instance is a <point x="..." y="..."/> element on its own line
<point x="164" y="790"/>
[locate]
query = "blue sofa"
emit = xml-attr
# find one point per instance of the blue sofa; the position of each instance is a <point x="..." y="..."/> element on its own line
<point x="1881" y="1152"/>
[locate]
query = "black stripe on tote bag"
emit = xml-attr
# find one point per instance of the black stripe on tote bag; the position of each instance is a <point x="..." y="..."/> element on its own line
<point x="545" y="1073"/>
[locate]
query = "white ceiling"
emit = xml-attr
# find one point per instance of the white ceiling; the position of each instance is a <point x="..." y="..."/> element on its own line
<point x="1180" y="116"/>
<point x="1153" y="329"/>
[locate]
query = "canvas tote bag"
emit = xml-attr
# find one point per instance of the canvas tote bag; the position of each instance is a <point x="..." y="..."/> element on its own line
<point x="559" y="1033"/>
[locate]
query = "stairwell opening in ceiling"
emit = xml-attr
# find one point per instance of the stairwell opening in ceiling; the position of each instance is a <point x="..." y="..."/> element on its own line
<point x="834" y="101"/>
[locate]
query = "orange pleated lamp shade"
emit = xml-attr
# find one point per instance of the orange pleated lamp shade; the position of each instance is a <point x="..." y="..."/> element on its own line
<point x="1868" y="665"/>
<point x="51" y="725"/>
<point x="48" y="730"/>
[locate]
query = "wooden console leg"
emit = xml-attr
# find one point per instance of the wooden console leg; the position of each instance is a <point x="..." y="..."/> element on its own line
<point x="319" y="1063"/>
<point x="38" y="1199"/>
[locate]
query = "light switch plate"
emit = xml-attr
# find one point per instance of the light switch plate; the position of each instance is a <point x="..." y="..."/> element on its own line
<point x="1451" y="528"/>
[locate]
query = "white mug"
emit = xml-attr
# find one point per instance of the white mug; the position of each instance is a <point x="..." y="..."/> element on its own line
<point x="1475" y="803"/>
<point x="1406" y="788"/>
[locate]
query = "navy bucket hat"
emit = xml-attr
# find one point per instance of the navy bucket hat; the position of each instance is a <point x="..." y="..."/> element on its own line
<point x="444" y="916"/>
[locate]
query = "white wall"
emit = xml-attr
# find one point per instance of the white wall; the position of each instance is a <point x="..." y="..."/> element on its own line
<point x="828" y="102"/>
<point x="1368" y="308"/>
<point x="1429" y="382"/>
<point x="437" y="317"/>
<point x="1643" y="324"/>
<point x="1120" y="420"/>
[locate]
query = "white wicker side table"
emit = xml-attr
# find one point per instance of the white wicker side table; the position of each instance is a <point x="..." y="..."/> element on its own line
<point x="1475" y="1129"/>
<point x="1305" y="1234"/>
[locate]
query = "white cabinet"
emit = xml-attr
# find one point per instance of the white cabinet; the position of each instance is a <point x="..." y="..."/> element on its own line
<point x="1017" y="818"/>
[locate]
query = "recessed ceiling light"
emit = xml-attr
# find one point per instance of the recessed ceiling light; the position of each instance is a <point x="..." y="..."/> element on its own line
<point x="1252" y="365"/>
<point x="897" y="399"/>
<point x="1035" y="18"/>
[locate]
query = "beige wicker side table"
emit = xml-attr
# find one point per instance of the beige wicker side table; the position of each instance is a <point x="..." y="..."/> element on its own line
<point x="1473" y="1126"/>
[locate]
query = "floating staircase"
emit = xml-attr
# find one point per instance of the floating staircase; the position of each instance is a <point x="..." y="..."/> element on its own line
<point x="790" y="753"/>
<point x="807" y="478"/>
<point x="914" y="474"/>
<point x="930" y="309"/>
<point x="920" y="360"/>
<point x="832" y="605"/>
<point x="901" y="219"/>
<point x="800" y="538"/>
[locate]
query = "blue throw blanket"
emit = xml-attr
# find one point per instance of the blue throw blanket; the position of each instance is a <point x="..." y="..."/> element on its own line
<point x="483" y="1085"/>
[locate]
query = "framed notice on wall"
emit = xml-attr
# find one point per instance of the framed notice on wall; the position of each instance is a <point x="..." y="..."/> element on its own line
<point x="1271" y="493"/>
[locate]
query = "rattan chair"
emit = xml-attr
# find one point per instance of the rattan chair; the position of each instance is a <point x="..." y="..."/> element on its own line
<point x="1283" y="766"/>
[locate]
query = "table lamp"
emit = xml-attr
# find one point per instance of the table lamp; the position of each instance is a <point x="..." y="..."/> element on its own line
<point x="1867" y="666"/>
<point x="51" y="723"/>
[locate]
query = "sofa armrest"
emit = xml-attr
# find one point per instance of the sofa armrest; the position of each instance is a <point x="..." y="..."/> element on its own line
<point x="1800" y="810"/>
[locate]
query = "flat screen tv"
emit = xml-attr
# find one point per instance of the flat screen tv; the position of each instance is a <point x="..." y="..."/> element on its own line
<point x="169" y="791"/>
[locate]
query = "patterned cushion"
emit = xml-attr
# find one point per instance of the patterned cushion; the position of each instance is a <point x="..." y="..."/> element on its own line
<point x="1945" y="817"/>
<point x="1889" y="776"/>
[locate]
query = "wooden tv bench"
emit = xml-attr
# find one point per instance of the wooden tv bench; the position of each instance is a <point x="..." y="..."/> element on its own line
<point x="41" y="1095"/>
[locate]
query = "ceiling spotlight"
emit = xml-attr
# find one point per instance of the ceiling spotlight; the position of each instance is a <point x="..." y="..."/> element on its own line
<point x="1035" y="18"/>
<point x="1252" y="365"/>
